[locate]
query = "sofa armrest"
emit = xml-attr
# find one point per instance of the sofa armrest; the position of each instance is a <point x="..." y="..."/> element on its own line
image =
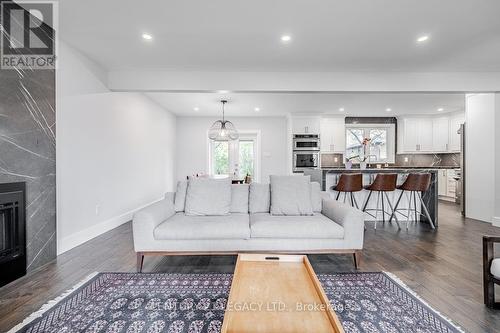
<point x="147" y="219"/>
<point x="350" y="218"/>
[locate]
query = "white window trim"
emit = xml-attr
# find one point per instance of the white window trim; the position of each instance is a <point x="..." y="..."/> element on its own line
<point x="391" y="139"/>
<point x="244" y="134"/>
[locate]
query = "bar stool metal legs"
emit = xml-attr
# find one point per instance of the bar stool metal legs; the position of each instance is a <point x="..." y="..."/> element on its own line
<point x="382" y="197"/>
<point x="415" y="184"/>
<point x="382" y="184"/>
<point x="413" y="197"/>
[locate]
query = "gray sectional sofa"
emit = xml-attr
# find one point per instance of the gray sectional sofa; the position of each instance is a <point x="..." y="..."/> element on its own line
<point x="208" y="216"/>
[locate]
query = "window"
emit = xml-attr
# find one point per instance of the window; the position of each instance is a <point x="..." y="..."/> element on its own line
<point x="220" y="161"/>
<point x="235" y="158"/>
<point x="381" y="144"/>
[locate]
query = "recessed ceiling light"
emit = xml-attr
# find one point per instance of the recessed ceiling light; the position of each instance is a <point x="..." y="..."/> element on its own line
<point x="257" y="109"/>
<point x="441" y="109"/>
<point x="196" y="108"/>
<point x="222" y="91"/>
<point x="147" y="36"/>
<point x="286" y="38"/>
<point x="341" y="109"/>
<point x="422" y="38"/>
<point x="388" y="110"/>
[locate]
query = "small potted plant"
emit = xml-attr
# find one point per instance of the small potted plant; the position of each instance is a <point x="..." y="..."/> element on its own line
<point x="366" y="152"/>
<point x="362" y="160"/>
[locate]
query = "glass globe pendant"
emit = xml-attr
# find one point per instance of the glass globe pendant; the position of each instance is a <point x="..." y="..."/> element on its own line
<point x="223" y="130"/>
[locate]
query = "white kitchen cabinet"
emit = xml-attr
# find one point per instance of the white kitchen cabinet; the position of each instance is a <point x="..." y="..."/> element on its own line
<point x="425" y="139"/>
<point x="409" y="132"/>
<point x="437" y="134"/>
<point x="305" y="125"/>
<point x="447" y="184"/>
<point x="454" y="137"/>
<point x="442" y="182"/>
<point x="416" y="135"/>
<point x="440" y="136"/>
<point x="332" y="135"/>
<point x="451" y="185"/>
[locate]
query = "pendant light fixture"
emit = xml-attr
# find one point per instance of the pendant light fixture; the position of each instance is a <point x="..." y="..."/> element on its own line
<point x="223" y="130"/>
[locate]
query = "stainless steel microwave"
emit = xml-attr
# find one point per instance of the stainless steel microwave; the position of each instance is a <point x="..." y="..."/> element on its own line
<point x="303" y="160"/>
<point x="306" y="142"/>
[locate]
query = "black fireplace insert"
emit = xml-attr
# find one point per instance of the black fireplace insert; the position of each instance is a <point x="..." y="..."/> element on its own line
<point x="12" y="231"/>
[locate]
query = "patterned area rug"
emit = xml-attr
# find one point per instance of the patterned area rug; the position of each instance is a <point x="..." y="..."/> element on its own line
<point x="152" y="303"/>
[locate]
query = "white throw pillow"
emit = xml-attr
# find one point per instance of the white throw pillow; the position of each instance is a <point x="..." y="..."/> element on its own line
<point x="291" y="195"/>
<point x="239" y="198"/>
<point x="206" y="196"/>
<point x="316" y="199"/>
<point x="180" y="196"/>
<point x="260" y="198"/>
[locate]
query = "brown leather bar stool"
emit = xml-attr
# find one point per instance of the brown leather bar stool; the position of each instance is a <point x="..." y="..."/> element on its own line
<point x="349" y="183"/>
<point x="383" y="183"/>
<point x="415" y="184"/>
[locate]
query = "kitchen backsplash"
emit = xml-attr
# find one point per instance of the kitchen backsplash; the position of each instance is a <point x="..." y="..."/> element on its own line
<point x="332" y="160"/>
<point x="419" y="160"/>
<point x="416" y="160"/>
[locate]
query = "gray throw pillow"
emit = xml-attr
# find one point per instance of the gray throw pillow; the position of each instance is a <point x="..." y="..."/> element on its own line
<point x="180" y="196"/>
<point x="206" y="196"/>
<point x="316" y="199"/>
<point x="291" y="195"/>
<point x="239" y="198"/>
<point x="260" y="198"/>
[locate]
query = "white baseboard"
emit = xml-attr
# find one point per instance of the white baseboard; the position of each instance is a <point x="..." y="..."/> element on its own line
<point x="80" y="237"/>
<point x="496" y="221"/>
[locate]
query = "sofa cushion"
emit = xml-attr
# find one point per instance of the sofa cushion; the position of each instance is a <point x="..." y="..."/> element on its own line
<point x="182" y="226"/>
<point x="316" y="198"/>
<point x="208" y="196"/>
<point x="291" y="195"/>
<point x="260" y="198"/>
<point x="264" y="225"/>
<point x="239" y="198"/>
<point x="180" y="195"/>
<point x="495" y="268"/>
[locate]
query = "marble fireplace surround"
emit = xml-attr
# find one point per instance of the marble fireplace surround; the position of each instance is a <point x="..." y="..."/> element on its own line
<point x="28" y="153"/>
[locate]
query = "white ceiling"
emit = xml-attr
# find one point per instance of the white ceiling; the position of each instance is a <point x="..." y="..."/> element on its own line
<point x="341" y="35"/>
<point x="273" y="104"/>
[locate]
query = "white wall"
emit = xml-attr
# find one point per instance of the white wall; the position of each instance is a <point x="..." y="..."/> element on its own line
<point x="496" y="217"/>
<point x="192" y="143"/>
<point x="115" y="151"/>
<point x="480" y="156"/>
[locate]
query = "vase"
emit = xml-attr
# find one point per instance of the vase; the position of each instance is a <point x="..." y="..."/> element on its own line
<point x="348" y="165"/>
<point x="362" y="165"/>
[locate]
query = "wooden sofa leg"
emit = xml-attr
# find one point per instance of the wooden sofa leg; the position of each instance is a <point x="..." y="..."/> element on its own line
<point x="357" y="258"/>
<point x="140" y="261"/>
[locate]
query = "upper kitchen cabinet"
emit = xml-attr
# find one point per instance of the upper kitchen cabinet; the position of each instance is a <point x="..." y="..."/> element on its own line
<point x="440" y="136"/>
<point x="437" y="134"/>
<point x="332" y="135"/>
<point x="415" y="135"/>
<point x="305" y="125"/>
<point x="454" y="137"/>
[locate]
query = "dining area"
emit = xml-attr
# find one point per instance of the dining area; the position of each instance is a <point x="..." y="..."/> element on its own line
<point x="404" y="196"/>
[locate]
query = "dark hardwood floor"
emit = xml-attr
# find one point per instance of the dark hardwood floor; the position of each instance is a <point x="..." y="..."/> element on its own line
<point x="444" y="267"/>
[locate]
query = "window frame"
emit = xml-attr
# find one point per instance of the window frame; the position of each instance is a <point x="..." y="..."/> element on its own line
<point x="391" y="140"/>
<point x="246" y="135"/>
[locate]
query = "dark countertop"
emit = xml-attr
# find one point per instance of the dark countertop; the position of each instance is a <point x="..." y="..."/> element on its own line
<point x="439" y="167"/>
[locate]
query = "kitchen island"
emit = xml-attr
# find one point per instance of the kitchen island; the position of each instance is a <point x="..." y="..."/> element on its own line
<point x="328" y="178"/>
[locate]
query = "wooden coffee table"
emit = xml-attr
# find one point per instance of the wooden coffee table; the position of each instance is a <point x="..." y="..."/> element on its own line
<point x="277" y="293"/>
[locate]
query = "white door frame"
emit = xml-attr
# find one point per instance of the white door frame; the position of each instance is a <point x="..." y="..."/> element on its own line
<point x="257" y="152"/>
